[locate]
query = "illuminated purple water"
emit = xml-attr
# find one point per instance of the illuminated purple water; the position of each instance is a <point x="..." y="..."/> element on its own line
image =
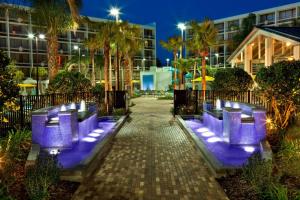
<point x="69" y="158"/>
<point x="228" y="155"/>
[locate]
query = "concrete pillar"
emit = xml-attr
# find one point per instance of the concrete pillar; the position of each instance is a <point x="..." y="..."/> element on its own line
<point x="7" y="32"/>
<point x="268" y="51"/>
<point x="296" y="52"/>
<point x="248" y="59"/>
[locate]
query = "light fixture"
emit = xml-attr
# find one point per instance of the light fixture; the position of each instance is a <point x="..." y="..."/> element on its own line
<point x="181" y="26"/>
<point x="217" y="55"/>
<point x="288" y="44"/>
<point x="30" y="36"/>
<point x="114" y="11"/>
<point x="42" y="36"/>
<point x="214" y="140"/>
<point x="76" y="47"/>
<point x="249" y="149"/>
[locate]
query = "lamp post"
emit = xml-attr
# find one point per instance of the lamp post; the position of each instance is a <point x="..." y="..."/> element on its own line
<point x="32" y="36"/>
<point x="168" y="60"/>
<point x="182" y="27"/>
<point x="77" y="48"/>
<point x="115" y="12"/>
<point x="217" y="56"/>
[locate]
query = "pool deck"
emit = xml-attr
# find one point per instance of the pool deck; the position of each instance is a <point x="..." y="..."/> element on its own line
<point x="151" y="159"/>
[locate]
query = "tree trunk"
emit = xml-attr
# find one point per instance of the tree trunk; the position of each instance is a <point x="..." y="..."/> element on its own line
<point x="203" y="77"/>
<point x="115" y="61"/>
<point x="175" y="73"/>
<point x="93" y="67"/>
<point x="106" y="70"/>
<point x="110" y="73"/>
<point x="118" y="70"/>
<point x="52" y="51"/>
<point x="194" y="76"/>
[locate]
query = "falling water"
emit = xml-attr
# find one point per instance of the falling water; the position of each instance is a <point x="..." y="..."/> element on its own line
<point x="227" y="104"/>
<point x="218" y="104"/>
<point x="63" y="108"/>
<point x="82" y="106"/>
<point x="73" y="106"/>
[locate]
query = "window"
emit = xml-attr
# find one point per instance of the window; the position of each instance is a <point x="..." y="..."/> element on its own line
<point x="148" y="33"/>
<point x="20" y="58"/>
<point x="233" y="25"/>
<point x="220" y="27"/>
<point x="3" y="43"/>
<point x="287" y="14"/>
<point x="267" y="18"/>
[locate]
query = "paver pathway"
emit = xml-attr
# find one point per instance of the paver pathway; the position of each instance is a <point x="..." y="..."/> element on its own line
<point x="151" y="159"/>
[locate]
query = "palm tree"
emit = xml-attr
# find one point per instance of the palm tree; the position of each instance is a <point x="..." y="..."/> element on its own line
<point x="131" y="45"/>
<point x="106" y="36"/>
<point x="74" y="6"/>
<point x="55" y="17"/>
<point x="204" y="36"/>
<point x="93" y="45"/>
<point x="183" y="66"/>
<point x="173" y="45"/>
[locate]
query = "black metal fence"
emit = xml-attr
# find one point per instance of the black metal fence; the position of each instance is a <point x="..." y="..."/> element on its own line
<point x="191" y="102"/>
<point x="22" y="117"/>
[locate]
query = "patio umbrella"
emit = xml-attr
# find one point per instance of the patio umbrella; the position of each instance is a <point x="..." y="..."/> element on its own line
<point x="207" y="78"/>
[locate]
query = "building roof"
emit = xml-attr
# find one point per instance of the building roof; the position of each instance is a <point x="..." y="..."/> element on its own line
<point x="290" y="33"/>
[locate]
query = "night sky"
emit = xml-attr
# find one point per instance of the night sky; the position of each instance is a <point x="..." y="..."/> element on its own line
<point x="167" y="13"/>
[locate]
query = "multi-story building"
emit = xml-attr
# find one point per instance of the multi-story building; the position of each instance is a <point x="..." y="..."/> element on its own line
<point x="285" y="15"/>
<point x="15" y="28"/>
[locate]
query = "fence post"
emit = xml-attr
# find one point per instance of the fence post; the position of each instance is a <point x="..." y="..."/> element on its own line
<point x="249" y="96"/>
<point x="22" y="111"/>
<point x="52" y="99"/>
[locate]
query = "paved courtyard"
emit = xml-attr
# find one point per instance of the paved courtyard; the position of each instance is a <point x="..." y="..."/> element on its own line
<point x="151" y="159"/>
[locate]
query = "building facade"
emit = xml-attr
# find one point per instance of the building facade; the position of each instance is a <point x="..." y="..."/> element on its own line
<point x="265" y="46"/>
<point x="285" y="15"/>
<point x="29" y="53"/>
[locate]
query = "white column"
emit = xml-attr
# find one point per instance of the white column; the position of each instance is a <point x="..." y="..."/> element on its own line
<point x="248" y="59"/>
<point x="296" y="52"/>
<point x="268" y="51"/>
<point x="259" y="47"/>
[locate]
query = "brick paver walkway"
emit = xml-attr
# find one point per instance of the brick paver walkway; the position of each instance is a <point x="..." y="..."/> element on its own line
<point x="151" y="159"/>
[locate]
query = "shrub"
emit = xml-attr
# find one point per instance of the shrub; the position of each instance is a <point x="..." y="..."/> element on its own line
<point x="69" y="82"/>
<point x="40" y="177"/>
<point x="98" y="89"/>
<point x="289" y="157"/>
<point x="4" y="193"/>
<point x="258" y="173"/>
<point x="280" y="84"/>
<point x="276" y="191"/>
<point x="232" y="79"/>
<point x="119" y="112"/>
<point x="9" y="89"/>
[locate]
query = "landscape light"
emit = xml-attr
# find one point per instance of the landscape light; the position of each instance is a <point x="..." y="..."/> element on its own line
<point x="42" y="36"/>
<point x="30" y="36"/>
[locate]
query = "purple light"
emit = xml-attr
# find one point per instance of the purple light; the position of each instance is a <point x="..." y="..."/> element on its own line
<point x="89" y="139"/>
<point x="214" y="140"/>
<point x="208" y="134"/>
<point x="249" y="149"/>
<point x="98" y="131"/>
<point x="202" y="130"/>
<point x="94" y="134"/>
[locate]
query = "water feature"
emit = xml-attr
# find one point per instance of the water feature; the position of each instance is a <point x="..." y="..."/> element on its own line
<point x="231" y="134"/>
<point x="71" y="134"/>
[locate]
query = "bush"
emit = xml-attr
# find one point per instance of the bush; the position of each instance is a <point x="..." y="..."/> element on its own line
<point x="119" y="112"/>
<point x="289" y="158"/>
<point x="232" y="79"/>
<point x="4" y="193"/>
<point x="9" y="89"/>
<point x="69" y="82"/>
<point x="40" y="177"/>
<point x="276" y="191"/>
<point x="279" y="83"/>
<point x="258" y="173"/>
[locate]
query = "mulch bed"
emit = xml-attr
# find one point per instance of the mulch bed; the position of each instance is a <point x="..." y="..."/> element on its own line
<point x="236" y="188"/>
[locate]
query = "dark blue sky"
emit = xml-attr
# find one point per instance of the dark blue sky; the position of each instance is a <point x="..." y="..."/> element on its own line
<point x="166" y="13"/>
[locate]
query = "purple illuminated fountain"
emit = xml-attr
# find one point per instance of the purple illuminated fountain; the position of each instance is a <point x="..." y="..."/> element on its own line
<point x="71" y="131"/>
<point x="232" y="133"/>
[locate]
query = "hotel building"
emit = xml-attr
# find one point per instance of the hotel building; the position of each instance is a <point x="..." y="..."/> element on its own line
<point x="285" y="15"/>
<point x="27" y="53"/>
